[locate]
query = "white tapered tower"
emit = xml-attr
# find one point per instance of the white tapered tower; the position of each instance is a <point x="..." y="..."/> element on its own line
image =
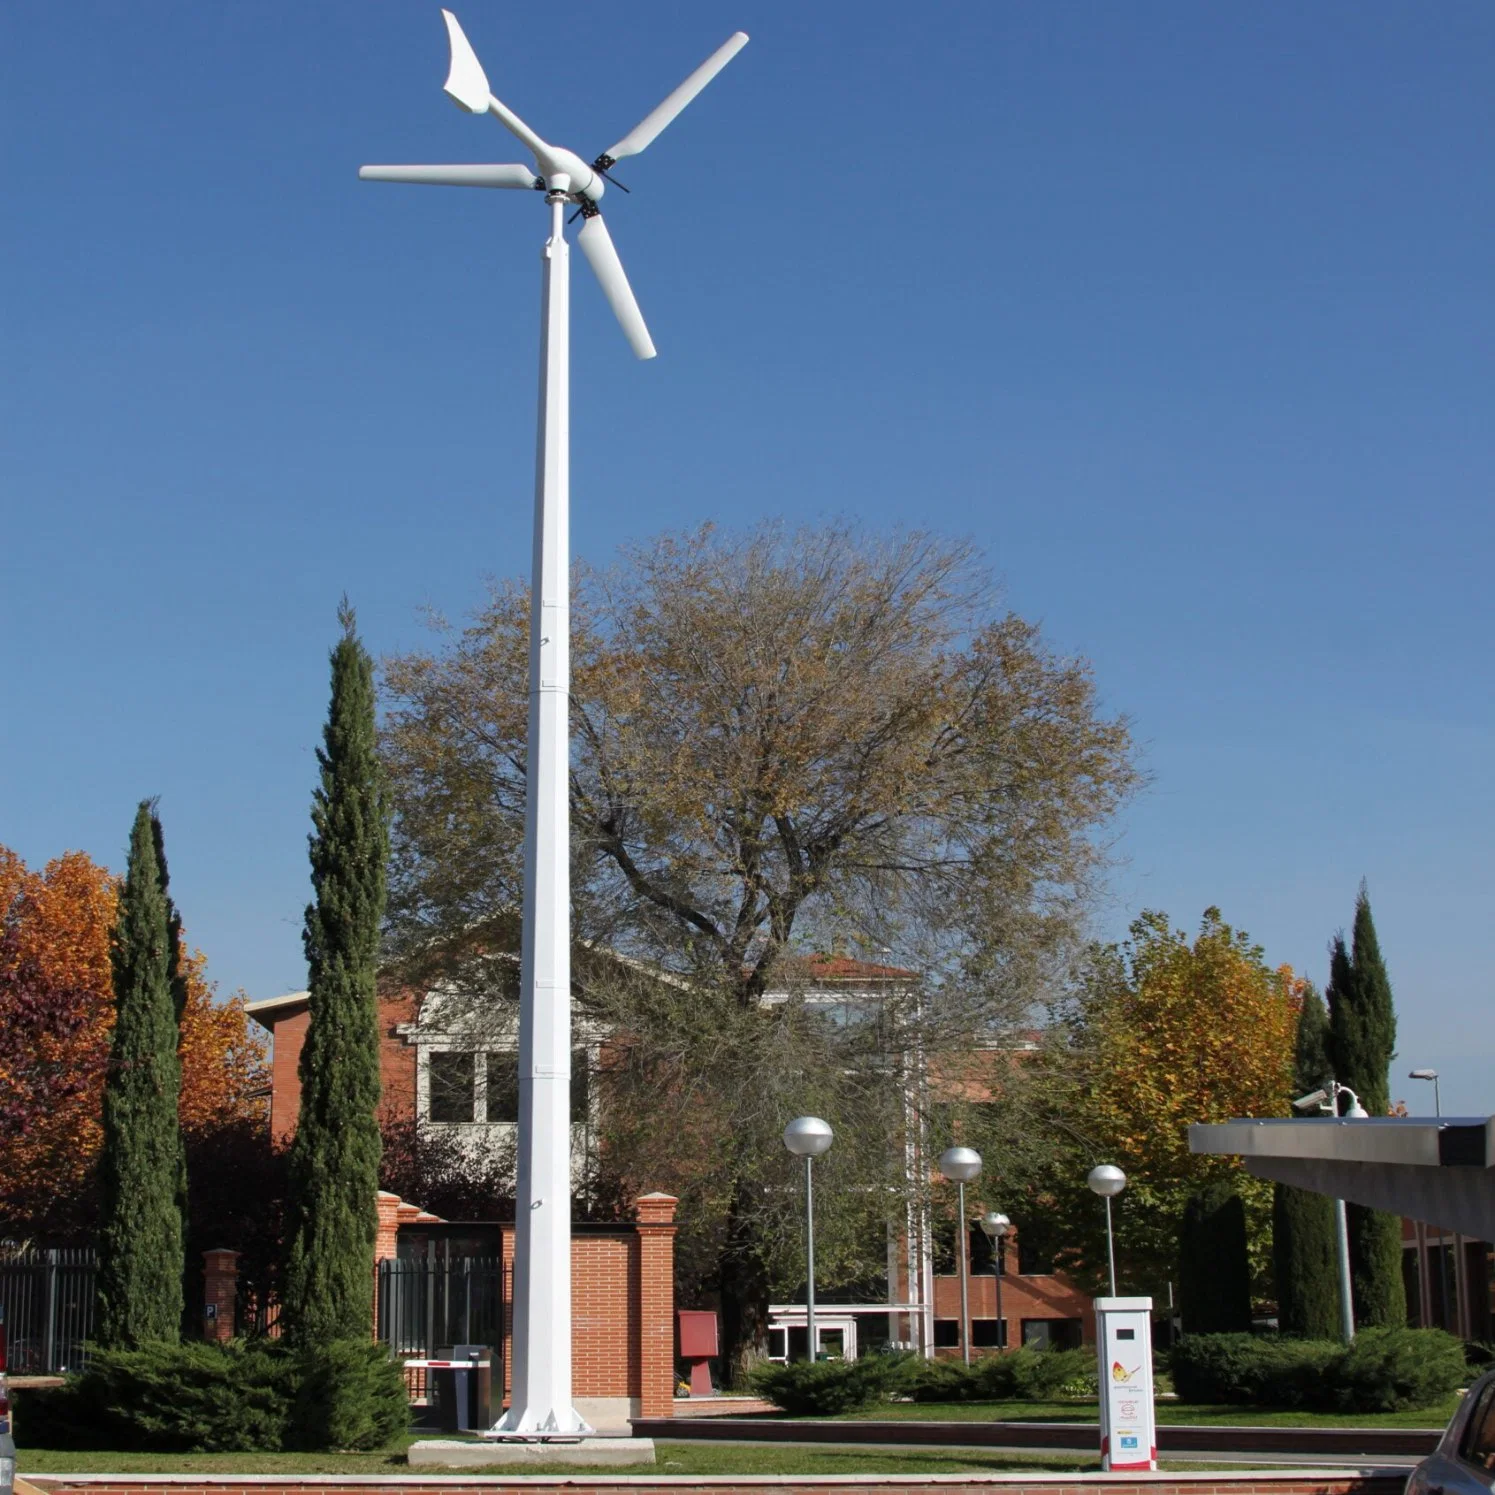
<point x="541" y="1404"/>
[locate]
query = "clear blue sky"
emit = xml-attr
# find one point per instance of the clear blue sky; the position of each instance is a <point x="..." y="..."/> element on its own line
<point x="1184" y="312"/>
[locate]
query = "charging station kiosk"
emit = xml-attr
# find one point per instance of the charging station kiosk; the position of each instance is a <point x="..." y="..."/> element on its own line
<point x="1123" y="1341"/>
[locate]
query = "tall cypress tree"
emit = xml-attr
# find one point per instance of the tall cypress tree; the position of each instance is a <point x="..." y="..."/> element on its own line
<point x="1303" y="1249"/>
<point x="140" y="1237"/>
<point x="176" y="981"/>
<point x="334" y="1162"/>
<point x="1362" y="1044"/>
<point x="1214" y="1273"/>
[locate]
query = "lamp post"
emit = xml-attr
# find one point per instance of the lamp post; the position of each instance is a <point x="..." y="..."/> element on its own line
<point x="996" y="1225"/>
<point x="1429" y="1074"/>
<point x="1354" y="1112"/>
<point x="1457" y="1316"/>
<point x="1108" y="1181"/>
<point x="1327" y="1101"/>
<point x="960" y="1165"/>
<point x="808" y="1137"/>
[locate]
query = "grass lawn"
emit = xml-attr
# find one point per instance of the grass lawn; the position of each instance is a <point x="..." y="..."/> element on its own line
<point x="1177" y="1413"/>
<point x="673" y="1458"/>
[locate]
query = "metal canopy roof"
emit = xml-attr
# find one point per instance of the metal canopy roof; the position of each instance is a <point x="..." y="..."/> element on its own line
<point x="1441" y="1171"/>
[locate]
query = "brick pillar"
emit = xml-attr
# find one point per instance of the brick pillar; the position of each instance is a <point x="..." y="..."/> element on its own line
<point x="387" y="1234"/>
<point x="220" y="1291"/>
<point x="656" y="1305"/>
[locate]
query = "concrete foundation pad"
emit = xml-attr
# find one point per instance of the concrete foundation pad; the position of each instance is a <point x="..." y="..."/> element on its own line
<point x="591" y="1453"/>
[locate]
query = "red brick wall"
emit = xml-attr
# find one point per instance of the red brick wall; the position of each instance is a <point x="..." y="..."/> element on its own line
<point x="622" y="1303"/>
<point x="604" y="1315"/>
<point x="396" y="1063"/>
<point x="656" y="1304"/>
<point x="285" y="1081"/>
<point x="220" y="1280"/>
<point x="1037" y="1297"/>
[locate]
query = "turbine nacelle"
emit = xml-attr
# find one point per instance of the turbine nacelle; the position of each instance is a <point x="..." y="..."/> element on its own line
<point x="581" y="180"/>
<point x="556" y="168"/>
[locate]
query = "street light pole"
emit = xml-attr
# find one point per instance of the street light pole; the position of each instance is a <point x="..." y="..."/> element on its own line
<point x="1429" y="1074"/>
<point x="1355" y="1112"/>
<point x="960" y="1165"/>
<point x="1108" y="1180"/>
<point x="808" y="1137"/>
<point x="1326" y="1100"/>
<point x="996" y="1225"/>
<point x="1457" y="1316"/>
<point x="1346" y="1282"/>
<point x="810" y="1254"/>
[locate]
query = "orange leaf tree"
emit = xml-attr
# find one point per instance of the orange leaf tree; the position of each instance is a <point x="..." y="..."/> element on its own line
<point x="56" y="1013"/>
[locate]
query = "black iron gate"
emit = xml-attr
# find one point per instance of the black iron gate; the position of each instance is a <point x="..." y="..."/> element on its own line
<point x="48" y="1297"/>
<point x="426" y="1303"/>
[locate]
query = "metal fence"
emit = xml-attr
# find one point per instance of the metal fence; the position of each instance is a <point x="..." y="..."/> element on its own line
<point x="48" y="1298"/>
<point x="427" y="1304"/>
<point x="424" y="1304"/>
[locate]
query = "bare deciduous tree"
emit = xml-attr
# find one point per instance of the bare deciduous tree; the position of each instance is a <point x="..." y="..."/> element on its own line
<point x="777" y="738"/>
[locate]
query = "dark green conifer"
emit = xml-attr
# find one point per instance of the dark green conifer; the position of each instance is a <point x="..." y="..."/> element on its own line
<point x="1303" y="1248"/>
<point x="1362" y="1044"/>
<point x="1214" y="1272"/>
<point x="140" y="1235"/>
<point x="176" y="980"/>
<point x="334" y="1162"/>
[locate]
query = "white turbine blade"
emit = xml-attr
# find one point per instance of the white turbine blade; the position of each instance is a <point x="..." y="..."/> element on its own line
<point x="453" y="176"/>
<point x="597" y="244"/>
<point x="466" y="82"/>
<point x="516" y="127"/>
<point x="643" y="133"/>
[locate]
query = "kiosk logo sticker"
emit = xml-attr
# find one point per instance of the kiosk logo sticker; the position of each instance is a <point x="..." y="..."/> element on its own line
<point x="1121" y="1375"/>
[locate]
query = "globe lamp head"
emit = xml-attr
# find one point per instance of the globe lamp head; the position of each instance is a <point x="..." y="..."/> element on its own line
<point x="995" y="1224"/>
<point x="1107" y="1180"/>
<point x="807" y="1136"/>
<point x="960" y="1164"/>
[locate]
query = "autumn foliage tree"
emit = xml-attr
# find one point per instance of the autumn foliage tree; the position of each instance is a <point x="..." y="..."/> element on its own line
<point x="1169" y="1031"/>
<point x="56" y="1015"/>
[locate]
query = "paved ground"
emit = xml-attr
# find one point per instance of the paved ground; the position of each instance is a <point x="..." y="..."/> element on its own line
<point x="1369" y="1481"/>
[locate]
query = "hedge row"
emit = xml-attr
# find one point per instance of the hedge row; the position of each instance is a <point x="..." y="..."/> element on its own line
<point x="829" y="1387"/>
<point x="824" y="1388"/>
<point x="235" y="1398"/>
<point x="1024" y="1375"/>
<point x="1381" y="1370"/>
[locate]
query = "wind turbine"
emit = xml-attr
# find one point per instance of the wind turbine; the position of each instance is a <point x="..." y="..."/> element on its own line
<point x="540" y="1405"/>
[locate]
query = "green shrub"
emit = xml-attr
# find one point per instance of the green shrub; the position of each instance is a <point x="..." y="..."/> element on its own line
<point x="935" y="1381"/>
<point x="1383" y="1370"/>
<point x="1250" y="1370"/>
<point x="1390" y="1370"/>
<point x="236" y="1398"/>
<point x="825" y="1387"/>
<point x="347" y="1394"/>
<point x="1020" y="1375"/>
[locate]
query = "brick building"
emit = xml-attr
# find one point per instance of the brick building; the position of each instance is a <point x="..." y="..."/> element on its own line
<point x="450" y="1066"/>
